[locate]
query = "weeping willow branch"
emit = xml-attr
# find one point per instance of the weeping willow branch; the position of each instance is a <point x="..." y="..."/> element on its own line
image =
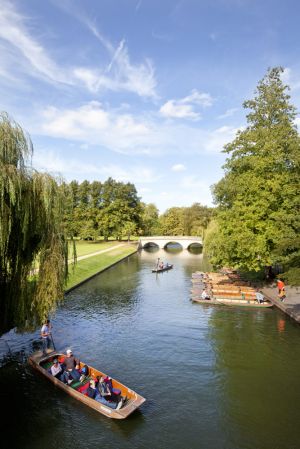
<point x="31" y="231"/>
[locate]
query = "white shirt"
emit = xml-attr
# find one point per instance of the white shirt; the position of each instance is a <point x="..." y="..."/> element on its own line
<point x="45" y="329"/>
<point x="55" y="369"/>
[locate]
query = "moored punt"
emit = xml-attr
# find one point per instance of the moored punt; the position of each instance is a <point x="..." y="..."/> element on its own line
<point x="159" y="270"/>
<point x="244" y="303"/>
<point x="199" y="300"/>
<point x="132" y="402"/>
<point x="233" y="295"/>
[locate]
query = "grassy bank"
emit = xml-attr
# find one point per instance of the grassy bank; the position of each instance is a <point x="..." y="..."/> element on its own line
<point x="84" y="269"/>
<point x="84" y="248"/>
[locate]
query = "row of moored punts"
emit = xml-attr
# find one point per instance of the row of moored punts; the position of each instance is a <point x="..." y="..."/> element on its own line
<point x="225" y="288"/>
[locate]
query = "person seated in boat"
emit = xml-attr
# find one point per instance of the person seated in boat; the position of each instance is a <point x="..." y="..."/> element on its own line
<point x="106" y="389"/>
<point x="84" y="372"/>
<point x="259" y="297"/>
<point x="94" y="393"/>
<point x="205" y="295"/>
<point x="57" y="370"/>
<point x="72" y="366"/>
<point x="161" y="265"/>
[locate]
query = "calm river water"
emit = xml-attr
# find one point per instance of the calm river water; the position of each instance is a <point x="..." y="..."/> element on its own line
<point x="214" y="377"/>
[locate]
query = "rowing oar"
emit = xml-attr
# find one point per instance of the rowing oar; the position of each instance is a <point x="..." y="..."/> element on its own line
<point x="53" y="343"/>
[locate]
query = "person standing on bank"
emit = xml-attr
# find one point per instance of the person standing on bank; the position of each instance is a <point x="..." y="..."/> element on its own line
<point x="46" y="336"/>
<point x="280" y="286"/>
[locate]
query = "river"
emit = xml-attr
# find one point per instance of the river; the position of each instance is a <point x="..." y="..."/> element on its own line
<point x="214" y="377"/>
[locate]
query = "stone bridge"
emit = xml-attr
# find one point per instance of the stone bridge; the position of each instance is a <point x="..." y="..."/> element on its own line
<point x="163" y="241"/>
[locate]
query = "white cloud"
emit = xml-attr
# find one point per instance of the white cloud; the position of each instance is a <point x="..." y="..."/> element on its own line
<point x="202" y="99"/>
<point x="216" y="139"/>
<point x="52" y="162"/>
<point x="145" y="190"/>
<point x="122" y="132"/>
<point x="171" y="109"/>
<point x="92" y="124"/>
<point x="137" y="78"/>
<point x="178" y="167"/>
<point x="228" y="113"/>
<point x="297" y="122"/>
<point x="13" y="31"/>
<point x="185" y="107"/>
<point x="119" y="74"/>
<point x="286" y="75"/>
<point x="291" y="78"/>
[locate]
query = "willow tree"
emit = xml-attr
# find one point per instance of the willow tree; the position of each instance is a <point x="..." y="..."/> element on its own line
<point x="33" y="247"/>
<point x="258" y="198"/>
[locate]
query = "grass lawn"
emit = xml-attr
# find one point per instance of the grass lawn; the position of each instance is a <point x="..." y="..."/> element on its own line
<point x="88" y="267"/>
<point x="84" y="247"/>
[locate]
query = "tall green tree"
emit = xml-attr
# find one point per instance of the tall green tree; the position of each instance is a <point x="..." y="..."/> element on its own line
<point x="149" y="218"/>
<point x="31" y="230"/>
<point x="196" y="219"/>
<point x="258" y="198"/>
<point x="171" y="222"/>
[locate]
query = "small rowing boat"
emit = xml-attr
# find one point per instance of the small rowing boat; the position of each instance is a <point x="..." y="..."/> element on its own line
<point x="159" y="270"/>
<point x="132" y="402"/>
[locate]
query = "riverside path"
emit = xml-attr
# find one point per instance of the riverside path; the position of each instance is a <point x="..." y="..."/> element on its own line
<point x="291" y="305"/>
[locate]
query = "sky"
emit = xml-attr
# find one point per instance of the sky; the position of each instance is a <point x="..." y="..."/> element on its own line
<point x="143" y="91"/>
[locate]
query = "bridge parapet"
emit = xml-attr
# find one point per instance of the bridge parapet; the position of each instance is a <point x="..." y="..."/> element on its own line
<point x="162" y="241"/>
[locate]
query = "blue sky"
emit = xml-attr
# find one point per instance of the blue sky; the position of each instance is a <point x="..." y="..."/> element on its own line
<point x="144" y="91"/>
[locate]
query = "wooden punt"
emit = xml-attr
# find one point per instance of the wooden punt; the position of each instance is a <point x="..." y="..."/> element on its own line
<point x="159" y="270"/>
<point x="133" y="400"/>
<point x="232" y="287"/>
<point x="233" y="296"/>
<point x="199" y="300"/>
<point x="244" y="303"/>
<point x="234" y="293"/>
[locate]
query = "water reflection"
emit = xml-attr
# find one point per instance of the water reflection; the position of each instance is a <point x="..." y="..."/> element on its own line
<point x="195" y="249"/>
<point x="281" y="325"/>
<point x="250" y="373"/>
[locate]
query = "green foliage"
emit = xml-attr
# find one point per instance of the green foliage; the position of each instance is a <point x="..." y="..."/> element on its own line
<point x="258" y="214"/>
<point x="185" y="220"/>
<point x="31" y="209"/>
<point x="149" y="219"/>
<point x="171" y="222"/>
<point x="111" y="209"/>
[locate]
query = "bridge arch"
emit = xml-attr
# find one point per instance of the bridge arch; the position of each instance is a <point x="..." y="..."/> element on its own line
<point x="168" y="245"/>
<point x="150" y="245"/>
<point x="162" y="241"/>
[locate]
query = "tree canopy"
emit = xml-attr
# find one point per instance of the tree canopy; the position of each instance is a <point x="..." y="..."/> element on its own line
<point x="31" y="233"/>
<point x="258" y="198"/>
<point x="109" y="209"/>
<point x="191" y="220"/>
